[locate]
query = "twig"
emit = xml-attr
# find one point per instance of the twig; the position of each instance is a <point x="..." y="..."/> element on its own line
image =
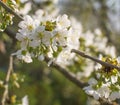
<point x="95" y="59"/>
<point x="11" y="34"/>
<point x="8" y="9"/>
<point x="70" y="76"/>
<point x="5" y="94"/>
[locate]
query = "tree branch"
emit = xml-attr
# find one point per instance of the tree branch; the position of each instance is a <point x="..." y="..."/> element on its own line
<point x="5" y="94"/>
<point x="95" y="59"/>
<point x="65" y="72"/>
<point x="70" y="76"/>
<point x="11" y="34"/>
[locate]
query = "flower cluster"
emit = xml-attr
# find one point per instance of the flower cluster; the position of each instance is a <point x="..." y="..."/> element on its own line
<point x="107" y="82"/>
<point x="27" y="6"/>
<point x="43" y="35"/>
<point x="5" y="17"/>
<point x="95" y="44"/>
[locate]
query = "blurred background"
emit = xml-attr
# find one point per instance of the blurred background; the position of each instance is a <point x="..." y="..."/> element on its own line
<point x="46" y="86"/>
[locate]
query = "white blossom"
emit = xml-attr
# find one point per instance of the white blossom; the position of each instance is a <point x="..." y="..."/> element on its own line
<point x="104" y="87"/>
<point x="27" y="26"/>
<point x="23" y="1"/>
<point x="46" y="38"/>
<point x="25" y="100"/>
<point x="118" y="59"/>
<point x="41" y="57"/>
<point x="26" y="58"/>
<point x="63" y="22"/>
<point x="114" y="79"/>
<point x="90" y="91"/>
<point x="27" y="7"/>
<point x="92" y="81"/>
<point x="114" y="95"/>
<point x="104" y="91"/>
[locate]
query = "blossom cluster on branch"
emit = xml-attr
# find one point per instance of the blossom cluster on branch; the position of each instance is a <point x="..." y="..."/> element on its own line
<point x="106" y="85"/>
<point x="43" y="35"/>
<point x="6" y="18"/>
<point x="48" y="35"/>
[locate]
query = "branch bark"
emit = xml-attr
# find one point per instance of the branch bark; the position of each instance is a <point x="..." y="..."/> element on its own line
<point x="95" y="59"/>
<point x="6" y="85"/>
<point x="70" y="76"/>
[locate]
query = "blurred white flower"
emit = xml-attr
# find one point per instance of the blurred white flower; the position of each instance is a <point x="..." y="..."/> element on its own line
<point x="110" y="50"/>
<point x="27" y="7"/>
<point x="41" y="57"/>
<point x="98" y="31"/>
<point x="118" y="59"/>
<point x="114" y="79"/>
<point x="89" y="38"/>
<point x="104" y="91"/>
<point x="114" y="95"/>
<point x="60" y="37"/>
<point x="23" y="1"/>
<point x="28" y="26"/>
<point x="92" y="81"/>
<point x="64" y="58"/>
<point x="26" y="58"/>
<point x="63" y="22"/>
<point x="90" y="91"/>
<point x="34" y="43"/>
<point x="46" y="39"/>
<point x="25" y="100"/>
<point x="107" y="86"/>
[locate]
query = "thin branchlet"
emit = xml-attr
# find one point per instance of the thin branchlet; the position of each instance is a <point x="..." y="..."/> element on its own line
<point x="69" y="75"/>
<point x="106" y="64"/>
<point x="6" y="85"/>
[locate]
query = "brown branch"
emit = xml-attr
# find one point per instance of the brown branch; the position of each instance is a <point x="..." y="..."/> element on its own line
<point x="66" y="73"/>
<point x="70" y="76"/>
<point x="5" y="94"/>
<point x="102" y="101"/>
<point x="95" y="59"/>
<point x="11" y="34"/>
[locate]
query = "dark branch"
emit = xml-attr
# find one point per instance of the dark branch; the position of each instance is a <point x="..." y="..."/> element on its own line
<point x="95" y="59"/>
<point x="70" y="76"/>
<point x="66" y="73"/>
<point x="11" y="34"/>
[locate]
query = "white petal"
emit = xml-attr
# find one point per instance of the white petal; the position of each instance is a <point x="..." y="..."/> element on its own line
<point x="25" y="100"/>
<point x="118" y="59"/>
<point x="41" y="57"/>
<point x="27" y="58"/>
<point x="113" y="96"/>
<point x="92" y="81"/>
<point x="96" y="95"/>
<point x="114" y="79"/>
